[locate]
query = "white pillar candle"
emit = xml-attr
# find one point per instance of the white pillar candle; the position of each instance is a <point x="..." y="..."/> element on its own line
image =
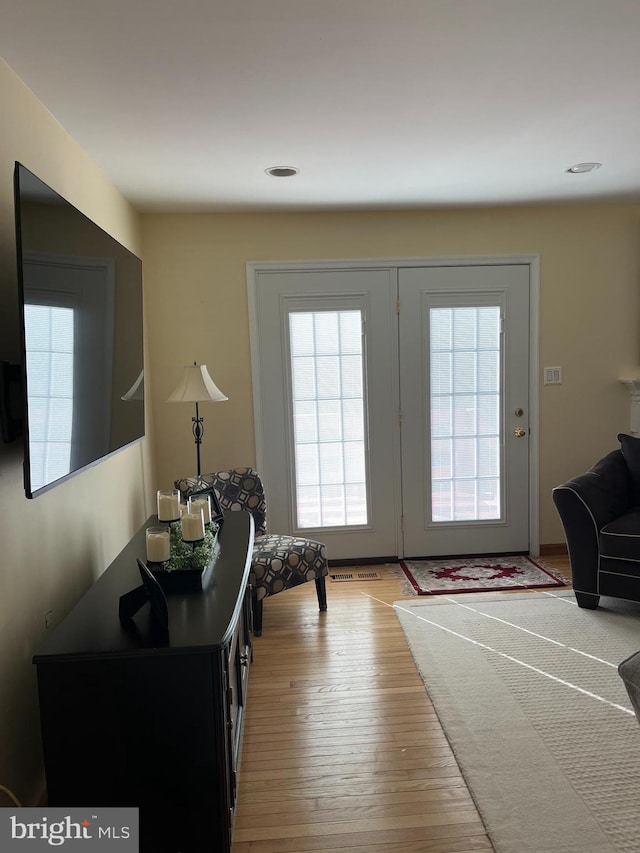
<point x="158" y="544"/>
<point x="168" y="505"/>
<point x="193" y="526"/>
<point x="201" y="503"/>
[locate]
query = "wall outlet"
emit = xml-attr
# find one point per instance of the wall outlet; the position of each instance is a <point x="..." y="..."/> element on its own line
<point x="48" y="619"/>
<point x="553" y="376"/>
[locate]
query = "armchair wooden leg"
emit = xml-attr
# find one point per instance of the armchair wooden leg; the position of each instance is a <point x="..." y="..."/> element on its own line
<point x="256" y="607"/>
<point x="321" y="589"/>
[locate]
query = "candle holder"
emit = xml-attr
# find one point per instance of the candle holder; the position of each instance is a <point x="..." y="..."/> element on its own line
<point x="158" y="544"/>
<point x="168" y="505"/>
<point x="202" y="502"/>
<point x="192" y="524"/>
<point x="215" y="512"/>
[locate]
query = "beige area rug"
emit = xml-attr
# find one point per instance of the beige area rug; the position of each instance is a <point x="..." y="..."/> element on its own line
<point x="527" y="690"/>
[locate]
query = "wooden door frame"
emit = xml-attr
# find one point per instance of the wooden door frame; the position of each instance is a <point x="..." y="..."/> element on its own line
<point x="254" y="268"/>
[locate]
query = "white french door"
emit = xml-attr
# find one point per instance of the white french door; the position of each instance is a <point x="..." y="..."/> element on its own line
<point x="464" y="389"/>
<point x="324" y="356"/>
<point x="392" y="405"/>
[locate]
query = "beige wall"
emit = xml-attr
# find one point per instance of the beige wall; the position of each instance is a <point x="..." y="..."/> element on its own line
<point x="589" y="314"/>
<point x="53" y="547"/>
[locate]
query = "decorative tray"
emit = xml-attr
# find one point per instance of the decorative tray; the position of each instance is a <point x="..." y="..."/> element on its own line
<point x="190" y="565"/>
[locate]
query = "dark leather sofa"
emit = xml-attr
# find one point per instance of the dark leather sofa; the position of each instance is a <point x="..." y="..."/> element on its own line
<point x="600" y="512"/>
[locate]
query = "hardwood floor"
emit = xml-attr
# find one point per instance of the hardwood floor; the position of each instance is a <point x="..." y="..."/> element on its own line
<point x="342" y="748"/>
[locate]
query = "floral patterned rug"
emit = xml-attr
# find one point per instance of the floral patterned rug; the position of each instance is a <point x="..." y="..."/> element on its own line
<point x="478" y="574"/>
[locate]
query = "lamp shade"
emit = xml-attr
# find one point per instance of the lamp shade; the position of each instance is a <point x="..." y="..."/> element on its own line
<point x="196" y="386"/>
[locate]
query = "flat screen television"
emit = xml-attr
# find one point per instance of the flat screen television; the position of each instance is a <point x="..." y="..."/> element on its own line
<point x="80" y="299"/>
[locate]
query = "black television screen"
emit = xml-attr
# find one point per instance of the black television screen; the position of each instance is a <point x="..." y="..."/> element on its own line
<point x="80" y="297"/>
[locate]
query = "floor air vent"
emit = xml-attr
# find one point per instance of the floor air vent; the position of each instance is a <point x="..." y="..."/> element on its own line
<point x="354" y="576"/>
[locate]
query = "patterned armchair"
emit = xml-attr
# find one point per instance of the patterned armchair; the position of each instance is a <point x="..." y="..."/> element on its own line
<point x="278" y="562"/>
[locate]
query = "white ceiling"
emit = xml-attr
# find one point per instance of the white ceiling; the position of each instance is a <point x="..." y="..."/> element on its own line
<point x="379" y="103"/>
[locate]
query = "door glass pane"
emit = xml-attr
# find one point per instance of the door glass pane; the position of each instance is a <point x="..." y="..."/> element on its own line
<point x="327" y="391"/>
<point x="465" y="406"/>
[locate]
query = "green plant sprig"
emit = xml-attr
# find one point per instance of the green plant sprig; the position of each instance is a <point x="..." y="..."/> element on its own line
<point x="184" y="555"/>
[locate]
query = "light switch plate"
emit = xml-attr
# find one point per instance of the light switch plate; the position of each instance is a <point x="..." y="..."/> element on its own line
<point x="553" y="376"/>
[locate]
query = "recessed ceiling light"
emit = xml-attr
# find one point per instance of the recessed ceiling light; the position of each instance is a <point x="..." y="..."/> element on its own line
<point x="580" y="168"/>
<point x="282" y="171"/>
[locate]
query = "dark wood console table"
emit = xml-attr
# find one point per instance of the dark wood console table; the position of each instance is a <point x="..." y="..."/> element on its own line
<point x="125" y="722"/>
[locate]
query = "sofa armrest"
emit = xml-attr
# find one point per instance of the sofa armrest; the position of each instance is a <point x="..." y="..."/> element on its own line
<point x="629" y="671"/>
<point x="585" y="504"/>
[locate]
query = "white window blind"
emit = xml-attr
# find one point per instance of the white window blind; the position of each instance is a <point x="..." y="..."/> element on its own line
<point x="328" y="417"/>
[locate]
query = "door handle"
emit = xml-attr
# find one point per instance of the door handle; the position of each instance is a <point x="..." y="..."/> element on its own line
<point x="519" y="432"/>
